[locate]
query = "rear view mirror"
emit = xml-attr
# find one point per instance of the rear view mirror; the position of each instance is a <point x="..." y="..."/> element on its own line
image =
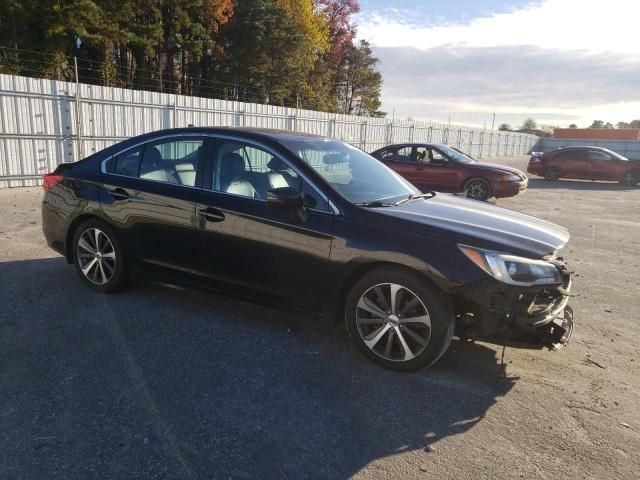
<point x="288" y="198"/>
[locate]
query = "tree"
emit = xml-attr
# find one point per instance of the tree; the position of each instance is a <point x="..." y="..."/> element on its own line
<point x="504" y="127"/>
<point x="573" y="125"/>
<point x="529" y="124"/>
<point x="623" y="125"/>
<point x="360" y="89"/>
<point x="601" y="124"/>
<point x="287" y="52"/>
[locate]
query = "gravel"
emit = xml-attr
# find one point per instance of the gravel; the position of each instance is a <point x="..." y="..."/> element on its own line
<point x="162" y="382"/>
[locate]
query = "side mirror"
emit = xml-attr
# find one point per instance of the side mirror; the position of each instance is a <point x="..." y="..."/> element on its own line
<point x="288" y="198"/>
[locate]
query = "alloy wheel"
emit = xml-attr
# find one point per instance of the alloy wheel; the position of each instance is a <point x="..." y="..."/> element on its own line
<point x="393" y="322"/>
<point x="96" y="256"/>
<point x="478" y="190"/>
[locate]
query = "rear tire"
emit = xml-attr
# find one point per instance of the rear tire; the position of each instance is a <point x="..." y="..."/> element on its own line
<point x="477" y="189"/>
<point x="552" y="174"/>
<point x="98" y="257"/>
<point x="417" y="330"/>
<point x="630" y="178"/>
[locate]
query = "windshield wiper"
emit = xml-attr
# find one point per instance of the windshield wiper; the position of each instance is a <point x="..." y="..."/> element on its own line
<point x="415" y="197"/>
<point x="375" y="204"/>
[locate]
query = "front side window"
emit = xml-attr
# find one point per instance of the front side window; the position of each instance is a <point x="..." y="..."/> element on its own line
<point x="247" y="170"/>
<point x="354" y="174"/>
<point x="456" y="155"/>
<point x="172" y="160"/>
<point x="596" y="155"/>
<point x="430" y="155"/>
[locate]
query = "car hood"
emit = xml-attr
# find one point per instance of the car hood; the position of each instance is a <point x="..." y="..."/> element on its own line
<point x="496" y="166"/>
<point x="480" y="224"/>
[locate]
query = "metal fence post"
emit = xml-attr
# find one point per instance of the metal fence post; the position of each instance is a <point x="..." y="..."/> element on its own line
<point x="363" y="135"/>
<point x="481" y="144"/>
<point x="78" y="111"/>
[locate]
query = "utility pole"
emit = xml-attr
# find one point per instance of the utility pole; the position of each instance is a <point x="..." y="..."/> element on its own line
<point x="493" y="122"/>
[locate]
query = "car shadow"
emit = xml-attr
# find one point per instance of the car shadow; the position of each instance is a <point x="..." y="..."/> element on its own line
<point x="540" y="183"/>
<point x="194" y="385"/>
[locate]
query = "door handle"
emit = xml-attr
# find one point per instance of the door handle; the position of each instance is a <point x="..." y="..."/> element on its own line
<point x="211" y="214"/>
<point x="118" y="194"/>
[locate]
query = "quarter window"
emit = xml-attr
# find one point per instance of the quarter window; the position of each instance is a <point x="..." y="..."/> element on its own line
<point x="127" y="163"/>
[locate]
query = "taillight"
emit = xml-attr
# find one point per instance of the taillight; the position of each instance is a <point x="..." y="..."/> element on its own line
<point x="50" y="180"/>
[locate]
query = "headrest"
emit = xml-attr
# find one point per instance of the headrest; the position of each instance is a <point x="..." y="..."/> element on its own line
<point x="276" y="164"/>
<point x="152" y="155"/>
<point x="233" y="160"/>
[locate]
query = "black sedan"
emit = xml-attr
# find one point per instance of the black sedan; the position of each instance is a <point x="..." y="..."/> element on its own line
<point x="314" y="224"/>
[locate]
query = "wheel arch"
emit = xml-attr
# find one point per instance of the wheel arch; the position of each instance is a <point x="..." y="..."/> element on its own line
<point x="357" y="271"/>
<point x="71" y="231"/>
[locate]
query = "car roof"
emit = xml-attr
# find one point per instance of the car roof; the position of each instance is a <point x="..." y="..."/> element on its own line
<point x="249" y="132"/>
<point x="579" y="147"/>
<point x="416" y="144"/>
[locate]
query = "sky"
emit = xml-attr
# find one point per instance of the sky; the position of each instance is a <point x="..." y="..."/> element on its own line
<point x="557" y="61"/>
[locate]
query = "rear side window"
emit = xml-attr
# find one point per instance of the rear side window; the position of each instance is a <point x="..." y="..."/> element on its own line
<point x="596" y="155"/>
<point x="399" y="154"/>
<point x="568" y="155"/>
<point x="172" y="160"/>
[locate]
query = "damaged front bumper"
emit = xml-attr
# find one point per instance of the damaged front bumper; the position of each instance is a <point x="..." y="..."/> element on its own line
<point x="524" y="317"/>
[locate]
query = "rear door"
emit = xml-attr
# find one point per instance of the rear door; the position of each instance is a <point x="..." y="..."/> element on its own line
<point x="149" y="195"/>
<point x="572" y="163"/>
<point x="400" y="158"/>
<point x="251" y="248"/>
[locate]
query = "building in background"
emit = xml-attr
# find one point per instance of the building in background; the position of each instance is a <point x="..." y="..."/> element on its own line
<point x="598" y="133"/>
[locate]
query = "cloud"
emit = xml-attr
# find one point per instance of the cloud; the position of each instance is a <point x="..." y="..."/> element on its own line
<point x="561" y="61"/>
<point x="558" y="85"/>
<point x="590" y="25"/>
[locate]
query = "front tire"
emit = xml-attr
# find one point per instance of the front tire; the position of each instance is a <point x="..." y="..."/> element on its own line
<point x="98" y="257"/>
<point x="630" y="178"/>
<point x="478" y="189"/>
<point x="397" y="320"/>
<point x="552" y="174"/>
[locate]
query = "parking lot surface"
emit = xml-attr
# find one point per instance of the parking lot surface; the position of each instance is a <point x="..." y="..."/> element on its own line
<point x="162" y="382"/>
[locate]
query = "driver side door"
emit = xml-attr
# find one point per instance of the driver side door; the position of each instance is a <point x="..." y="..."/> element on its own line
<point x="435" y="170"/>
<point x="251" y="248"/>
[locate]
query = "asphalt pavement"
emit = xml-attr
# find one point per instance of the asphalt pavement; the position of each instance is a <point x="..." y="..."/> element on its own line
<point x="163" y="382"/>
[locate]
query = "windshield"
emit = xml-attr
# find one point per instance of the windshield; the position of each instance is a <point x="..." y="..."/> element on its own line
<point x="354" y="174"/>
<point x="456" y="155"/>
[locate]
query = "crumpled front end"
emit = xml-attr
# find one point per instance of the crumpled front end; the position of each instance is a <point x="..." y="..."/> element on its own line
<point x="526" y="317"/>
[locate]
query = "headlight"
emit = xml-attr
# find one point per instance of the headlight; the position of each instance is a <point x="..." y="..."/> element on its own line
<point x="513" y="270"/>
<point x="510" y="178"/>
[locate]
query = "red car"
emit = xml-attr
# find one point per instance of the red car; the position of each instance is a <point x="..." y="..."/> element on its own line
<point x="431" y="166"/>
<point x="588" y="163"/>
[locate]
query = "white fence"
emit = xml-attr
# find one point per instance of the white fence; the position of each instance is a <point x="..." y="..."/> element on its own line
<point x="46" y="122"/>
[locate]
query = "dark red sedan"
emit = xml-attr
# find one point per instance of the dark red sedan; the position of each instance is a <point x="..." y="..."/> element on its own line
<point x="431" y="166"/>
<point x="587" y="163"/>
